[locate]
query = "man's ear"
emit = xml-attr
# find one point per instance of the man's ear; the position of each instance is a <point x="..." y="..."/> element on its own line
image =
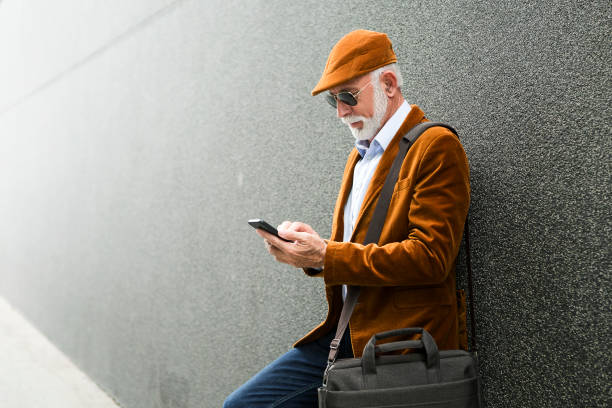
<point x="389" y="83"/>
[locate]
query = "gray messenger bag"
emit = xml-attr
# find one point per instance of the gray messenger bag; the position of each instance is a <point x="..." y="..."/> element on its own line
<point x="427" y="378"/>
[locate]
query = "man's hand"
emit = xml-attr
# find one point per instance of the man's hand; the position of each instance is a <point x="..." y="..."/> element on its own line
<point x="306" y="251"/>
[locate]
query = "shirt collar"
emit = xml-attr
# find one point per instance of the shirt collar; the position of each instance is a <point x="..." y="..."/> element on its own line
<point x="386" y="133"/>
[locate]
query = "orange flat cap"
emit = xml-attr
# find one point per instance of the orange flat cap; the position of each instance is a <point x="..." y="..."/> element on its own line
<point x="357" y="53"/>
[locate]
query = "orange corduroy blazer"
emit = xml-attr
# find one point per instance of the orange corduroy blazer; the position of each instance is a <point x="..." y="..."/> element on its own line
<point x="408" y="279"/>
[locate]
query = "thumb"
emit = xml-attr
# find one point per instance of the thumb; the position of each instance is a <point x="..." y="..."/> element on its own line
<point x="293" y="235"/>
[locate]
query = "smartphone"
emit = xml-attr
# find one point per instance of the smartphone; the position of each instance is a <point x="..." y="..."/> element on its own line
<point x="262" y="225"/>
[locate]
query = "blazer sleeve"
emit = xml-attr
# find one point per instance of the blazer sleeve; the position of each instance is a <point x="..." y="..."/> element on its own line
<point x="435" y="218"/>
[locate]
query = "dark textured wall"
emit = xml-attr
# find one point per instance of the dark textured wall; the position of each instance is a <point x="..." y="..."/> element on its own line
<point x="137" y="138"/>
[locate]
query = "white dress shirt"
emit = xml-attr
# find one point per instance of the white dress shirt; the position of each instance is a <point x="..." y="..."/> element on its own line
<point x="365" y="168"/>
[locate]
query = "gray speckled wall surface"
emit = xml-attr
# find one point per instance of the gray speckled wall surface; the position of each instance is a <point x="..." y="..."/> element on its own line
<point x="136" y="140"/>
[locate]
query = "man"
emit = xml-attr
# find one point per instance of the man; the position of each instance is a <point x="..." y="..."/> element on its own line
<point x="407" y="279"/>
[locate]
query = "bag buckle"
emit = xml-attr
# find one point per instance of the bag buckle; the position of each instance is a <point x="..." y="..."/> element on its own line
<point x="326" y="373"/>
<point x="334" y="345"/>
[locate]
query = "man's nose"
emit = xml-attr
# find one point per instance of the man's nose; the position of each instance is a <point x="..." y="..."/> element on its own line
<point x="343" y="109"/>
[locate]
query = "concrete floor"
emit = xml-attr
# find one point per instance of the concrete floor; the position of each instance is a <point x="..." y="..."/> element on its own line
<point x="35" y="374"/>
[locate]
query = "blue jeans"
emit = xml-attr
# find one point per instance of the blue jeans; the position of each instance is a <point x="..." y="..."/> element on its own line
<point x="292" y="379"/>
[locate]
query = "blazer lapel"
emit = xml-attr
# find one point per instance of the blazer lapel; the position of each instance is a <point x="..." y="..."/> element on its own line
<point x="415" y="116"/>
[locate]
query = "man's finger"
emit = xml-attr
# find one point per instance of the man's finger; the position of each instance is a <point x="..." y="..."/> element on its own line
<point x="298" y="226"/>
<point x="266" y="235"/>
<point x="273" y="239"/>
<point x="280" y="256"/>
<point x="294" y="235"/>
<point x="284" y="225"/>
<point x="301" y="227"/>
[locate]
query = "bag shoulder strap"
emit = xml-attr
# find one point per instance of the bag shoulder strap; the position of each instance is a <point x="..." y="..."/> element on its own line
<point x="375" y="229"/>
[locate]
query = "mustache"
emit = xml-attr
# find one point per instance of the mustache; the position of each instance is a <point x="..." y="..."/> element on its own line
<point x="347" y="120"/>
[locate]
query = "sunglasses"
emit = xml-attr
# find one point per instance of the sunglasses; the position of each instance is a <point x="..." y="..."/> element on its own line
<point x="346" y="97"/>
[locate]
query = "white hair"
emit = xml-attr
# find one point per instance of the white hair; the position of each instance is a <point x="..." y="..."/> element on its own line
<point x="393" y="67"/>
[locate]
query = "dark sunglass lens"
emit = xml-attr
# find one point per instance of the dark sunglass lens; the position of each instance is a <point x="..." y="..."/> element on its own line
<point x="331" y="100"/>
<point x="347" y="98"/>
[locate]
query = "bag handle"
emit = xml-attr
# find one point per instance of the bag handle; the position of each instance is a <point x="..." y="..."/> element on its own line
<point x="426" y="343"/>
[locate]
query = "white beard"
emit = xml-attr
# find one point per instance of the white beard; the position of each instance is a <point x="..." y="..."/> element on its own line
<point x="372" y="125"/>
